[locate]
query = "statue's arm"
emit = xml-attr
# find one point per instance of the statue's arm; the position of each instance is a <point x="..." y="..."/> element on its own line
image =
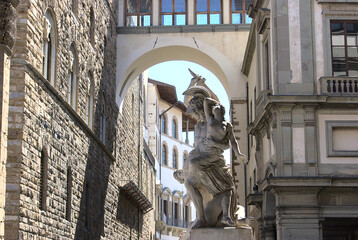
<point x="235" y="145"/>
<point x="193" y="81"/>
<point x="208" y="102"/>
<point x="206" y="110"/>
<point x="213" y="95"/>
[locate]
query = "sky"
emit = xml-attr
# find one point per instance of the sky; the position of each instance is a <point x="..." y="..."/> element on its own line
<point x="176" y="73"/>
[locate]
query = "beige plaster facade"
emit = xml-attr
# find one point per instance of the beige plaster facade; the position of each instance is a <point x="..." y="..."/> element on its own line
<point x="303" y="163"/>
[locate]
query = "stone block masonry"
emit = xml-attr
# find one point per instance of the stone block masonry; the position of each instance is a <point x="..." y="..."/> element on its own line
<point x="63" y="179"/>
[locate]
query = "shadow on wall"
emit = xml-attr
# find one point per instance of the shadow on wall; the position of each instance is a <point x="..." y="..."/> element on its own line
<point x="127" y="214"/>
<point x="102" y="175"/>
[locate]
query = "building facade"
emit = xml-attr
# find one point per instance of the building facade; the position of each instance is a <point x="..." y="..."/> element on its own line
<point x="301" y="66"/>
<point x="77" y="154"/>
<point x="166" y="122"/>
<point x="73" y="168"/>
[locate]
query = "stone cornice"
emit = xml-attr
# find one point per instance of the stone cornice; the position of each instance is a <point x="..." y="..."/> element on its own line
<point x="184" y="29"/>
<point x="304" y="182"/>
<point x="249" y="51"/>
<point x="336" y="1"/>
<point x="275" y="102"/>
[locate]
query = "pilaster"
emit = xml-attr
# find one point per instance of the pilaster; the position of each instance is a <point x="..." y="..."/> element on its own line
<point x="310" y="139"/>
<point x="5" y="55"/>
<point x="298" y="223"/>
<point x="285" y="136"/>
<point x="7" y="41"/>
<point x="297" y="213"/>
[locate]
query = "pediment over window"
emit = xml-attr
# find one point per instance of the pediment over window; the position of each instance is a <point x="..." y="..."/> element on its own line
<point x="263" y="19"/>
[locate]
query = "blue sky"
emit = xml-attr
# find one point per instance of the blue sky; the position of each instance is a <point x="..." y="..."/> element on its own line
<point x="176" y="73"/>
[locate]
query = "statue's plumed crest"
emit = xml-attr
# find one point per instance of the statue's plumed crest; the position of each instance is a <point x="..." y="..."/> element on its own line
<point x="197" y="91"/>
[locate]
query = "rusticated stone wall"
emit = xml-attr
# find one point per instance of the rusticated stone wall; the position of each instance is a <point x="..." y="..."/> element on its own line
<point x="63" y="182"/>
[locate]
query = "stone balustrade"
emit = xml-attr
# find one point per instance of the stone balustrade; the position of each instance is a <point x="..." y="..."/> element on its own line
<point x="339" y="86"/>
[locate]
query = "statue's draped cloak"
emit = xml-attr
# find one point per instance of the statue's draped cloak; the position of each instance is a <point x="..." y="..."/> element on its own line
<point x="207" y="162"/>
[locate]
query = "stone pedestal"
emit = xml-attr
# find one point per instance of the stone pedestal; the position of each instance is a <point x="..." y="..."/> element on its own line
<point x="220" y="234"/>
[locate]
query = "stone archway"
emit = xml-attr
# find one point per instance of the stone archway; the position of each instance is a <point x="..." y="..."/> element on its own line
<point x="221" y="52"/>
<point x="138" y="52"/>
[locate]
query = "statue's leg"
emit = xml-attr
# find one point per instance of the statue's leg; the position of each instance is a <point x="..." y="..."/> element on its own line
<point x="213" y="210"/>
<point x="225" y="204"/>
<point x="197" y="199"/>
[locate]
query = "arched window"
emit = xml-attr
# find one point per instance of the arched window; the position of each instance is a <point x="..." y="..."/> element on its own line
<point x="164" y="155"/>
<point x="44" y="174"/>
<point x="163" y="124"/>
<point x="72" y="78"/>
<point x="69" y="194"/>
<point x="175" y="156"/>
<point x="92" y="27"/>
<point x="49" y="48"/>
<point x="138" y="12"/>
<point x="208" y="12"/>
<point x="90" y="101"/>
<point x="238" y="11"/>
<point x="173" y="12"/>
<point x="102" y="127"/>
<point x="174" y="128"/>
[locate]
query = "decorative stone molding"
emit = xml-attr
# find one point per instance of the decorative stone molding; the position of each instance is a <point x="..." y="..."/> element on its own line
<point x="331" y="152"/>
<point x="263" y="20"/>
<point x="7" y="22"/>
<point x="184" y="29"/>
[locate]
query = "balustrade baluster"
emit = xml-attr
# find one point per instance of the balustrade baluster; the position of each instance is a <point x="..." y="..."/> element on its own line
<point x="339" y="86"/>
<point x="355" y="85"/>
<point x="334" y="88"/>
<point x="350" y="86"/>
<point x="329" y="89"/>
<point x="345" y="86"/>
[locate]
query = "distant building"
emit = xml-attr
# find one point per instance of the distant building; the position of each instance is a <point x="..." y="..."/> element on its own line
<point x="166" y="123"/>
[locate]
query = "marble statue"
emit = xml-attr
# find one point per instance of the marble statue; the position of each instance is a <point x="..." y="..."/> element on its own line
<point x="205" y="174"/>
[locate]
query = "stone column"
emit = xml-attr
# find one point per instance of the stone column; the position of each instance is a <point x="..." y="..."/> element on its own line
<point x="7" y="40"/>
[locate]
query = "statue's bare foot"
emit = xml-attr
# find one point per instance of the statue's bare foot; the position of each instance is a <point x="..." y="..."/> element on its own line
<point x="200" y="222"/>
<point x="227" y="221"/>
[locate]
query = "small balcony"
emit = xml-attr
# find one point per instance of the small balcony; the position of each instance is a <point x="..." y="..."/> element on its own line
<point x="339" y="86"/>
